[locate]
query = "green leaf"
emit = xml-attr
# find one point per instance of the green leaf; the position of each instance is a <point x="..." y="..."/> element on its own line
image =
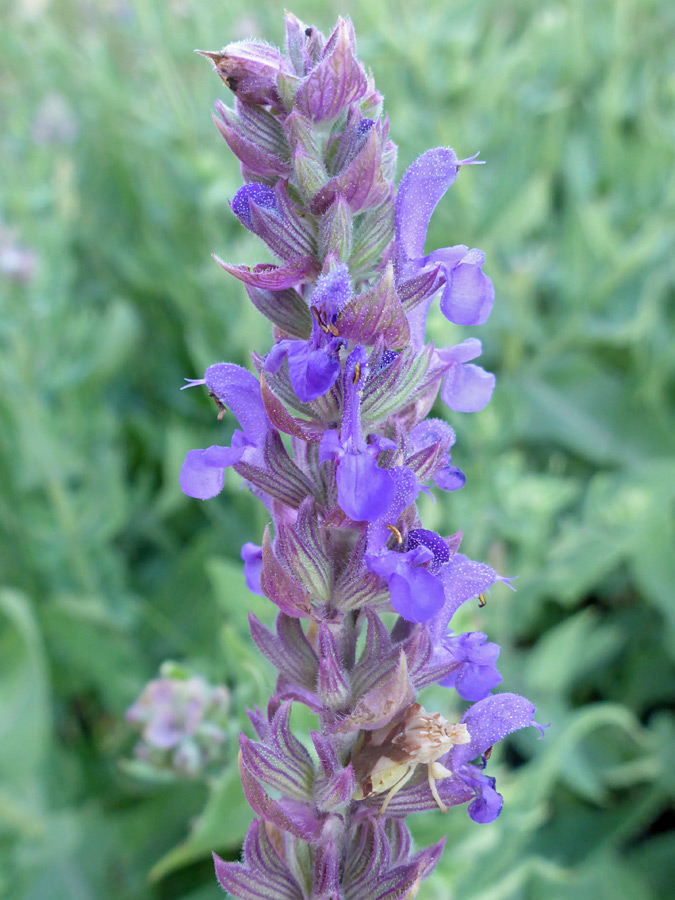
<point x="567" y="653"/>
<point x="222" y="825"/>
<point x="24" y="693"/>
<point x="652" y="562"/>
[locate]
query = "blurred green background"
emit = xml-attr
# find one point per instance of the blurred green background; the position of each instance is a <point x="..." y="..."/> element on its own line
<point x="114" y="192"/>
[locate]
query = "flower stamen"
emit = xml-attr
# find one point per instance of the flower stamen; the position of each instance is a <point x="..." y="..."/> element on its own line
<point x="397" y="534"/>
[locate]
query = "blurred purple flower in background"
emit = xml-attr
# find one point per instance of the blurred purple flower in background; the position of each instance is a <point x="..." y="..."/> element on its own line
<point x="183" y="722"/>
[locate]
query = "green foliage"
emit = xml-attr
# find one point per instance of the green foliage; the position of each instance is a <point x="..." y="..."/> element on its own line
<point x="113" y="175"/>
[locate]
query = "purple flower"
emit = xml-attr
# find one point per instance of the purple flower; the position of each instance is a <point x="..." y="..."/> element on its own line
<point x="416" y="593"/>
<point x="406" y="491"/>
<point x="422" y="537"/>
<point x="474" y="672"/>
<point x="364" y="490"/>
<point x="488" y="722"/>
<point x="272" y="216"/>
<point x="313" y="365"/>
<point x="416" y="590"/>
<point x="468" y="294"/>
<point x="203" y="472"/>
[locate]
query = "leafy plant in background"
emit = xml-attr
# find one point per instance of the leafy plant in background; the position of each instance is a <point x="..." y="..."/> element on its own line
<point x="107" y="569"/>
<point x="336" y="441"/>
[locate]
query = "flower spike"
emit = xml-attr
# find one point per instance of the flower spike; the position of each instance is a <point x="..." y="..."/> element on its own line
<point x="336" y="440"/>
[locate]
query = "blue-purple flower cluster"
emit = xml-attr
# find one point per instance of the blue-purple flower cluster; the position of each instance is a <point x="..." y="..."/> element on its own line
<point x="349" y="382"/>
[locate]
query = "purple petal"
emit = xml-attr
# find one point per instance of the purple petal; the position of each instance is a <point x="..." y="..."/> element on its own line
<point x="239" y="390"/>
<point x="422" y="186"/>
<point x="416" y="595"/>
<point x="463" y="579"/>
<point x="431" y="431"/>
<point x="254" y="192"/>
<point x="467" y="388"/>
<point x="433" y="542"/>
<point x="460" y="353"/>
<point x="489" y="721"/>
<point x="474" y="647"/>
<point x="198" y="479"/>
<point x="473" y="682"/>
<point x="278" y="354"/>
<point x="406" y="492"/>
<point x="389" y="562"/>
<point x="365" y="491"/>
<point x="446" y="257"/>
<point x="312" y="372"/>
<point x="251" y="554"/>
<point x="450" y="478"/>
<point x="330" y="446"/>
<point x="474" y="673"/>
<point x="468" y="294"/>
<point x="222" y="457"/>
<point x="488" y="803"/>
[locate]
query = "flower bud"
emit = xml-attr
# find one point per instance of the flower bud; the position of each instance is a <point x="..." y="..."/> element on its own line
<point x="333" y="681"/>
<point x="260" y="148"/>
<point x="254" y="193"/>
<point x="251" y="70"/>
<point x="338" y="80"/>
<point x="310" y="173"/>
<point x="335" y="230"/>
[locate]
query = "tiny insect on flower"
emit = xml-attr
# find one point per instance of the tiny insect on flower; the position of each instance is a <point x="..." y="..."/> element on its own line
<point x="388" y="758"/>
<point x="222" y="409"/>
